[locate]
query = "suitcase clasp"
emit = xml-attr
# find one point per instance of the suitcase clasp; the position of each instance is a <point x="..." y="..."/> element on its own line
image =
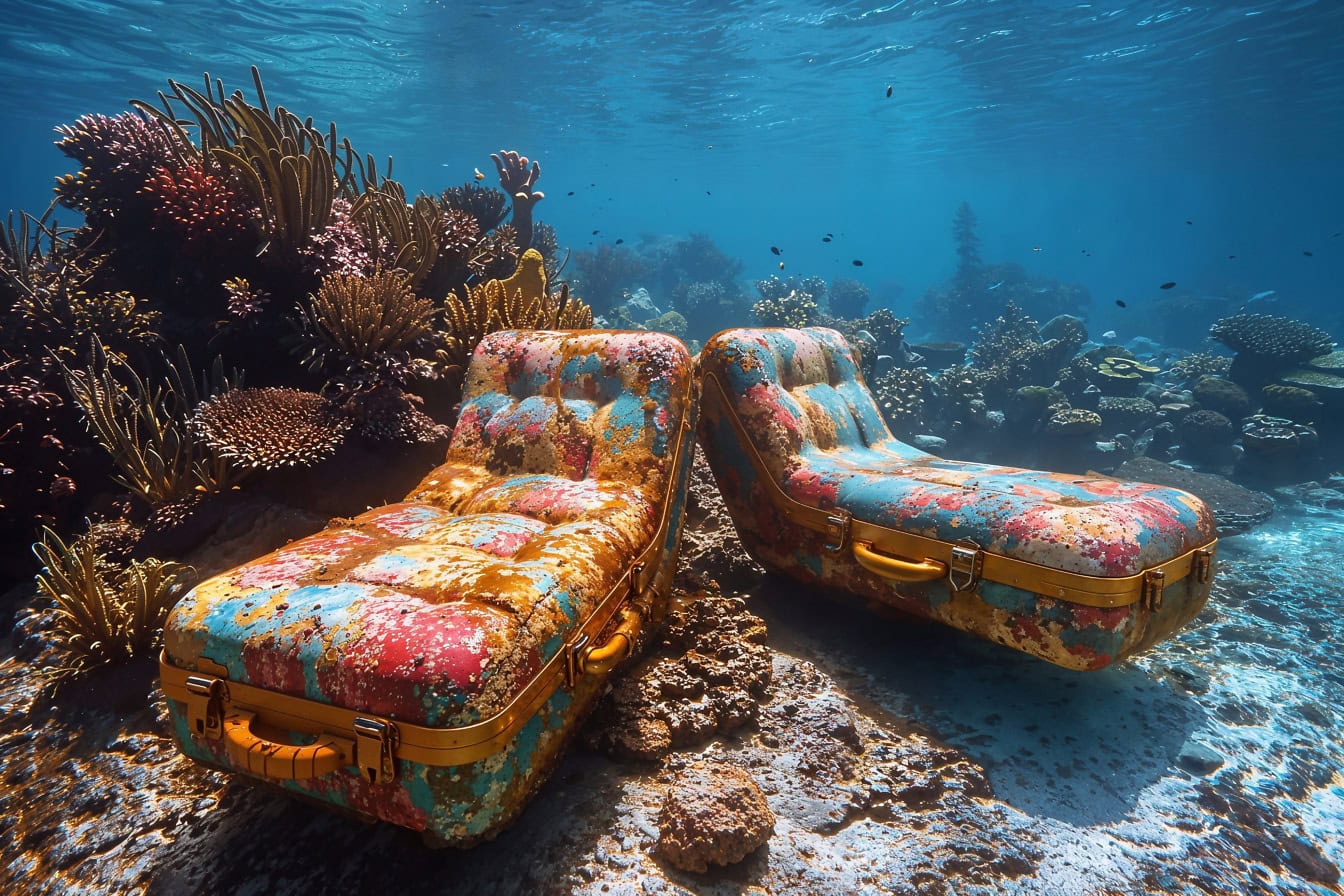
<point x="205" y="706"/>
<point x="1202" y="566"/>
<point x="837" y="522"/>
<point x="1154" y="580"/>
<point x="374" y="742"/>
<point x="964" y="566"/>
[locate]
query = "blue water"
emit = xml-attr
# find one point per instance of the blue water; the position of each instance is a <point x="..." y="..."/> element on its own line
<point x="1068" y="126"/>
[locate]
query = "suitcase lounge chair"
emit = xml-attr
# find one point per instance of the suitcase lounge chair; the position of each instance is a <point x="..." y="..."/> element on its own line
<point x="425" y="662"/>
<point x="1081" y="571"/>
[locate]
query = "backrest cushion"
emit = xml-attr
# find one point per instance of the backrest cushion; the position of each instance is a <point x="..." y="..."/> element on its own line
<point x="590" y="404"/>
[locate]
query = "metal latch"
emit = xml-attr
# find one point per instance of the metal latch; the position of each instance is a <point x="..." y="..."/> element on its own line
<point x="374" y="741"/>
<point x="839" y="521"/>
<point x="1154" y="581"/>
<point x="1202" y="567"/>
<point x="573" y="654"/>
<point x="205" y="706"/>
<point x="964" y="566"/>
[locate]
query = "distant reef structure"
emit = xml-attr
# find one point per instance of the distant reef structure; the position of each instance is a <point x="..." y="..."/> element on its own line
<point x="248" y="301"/>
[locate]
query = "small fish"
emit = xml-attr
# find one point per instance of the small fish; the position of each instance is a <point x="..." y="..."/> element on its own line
<point x="1035" y="248"/>
<point x="1306" y="253"/>
<point x="775" y="249"/>
<point x="619" y="241"/>
<point x="1121" y="303"/>
<point x="707" y="193"/>
<point x="825" y="239"/>
<point x="1231" y="256"/>
<point x="857" y="263"/>
<point x="781" y="265"/>
<point x="828" y="233"/>
<point x="570" y="193"/>
<point x="995" y="286"/>
<point x="1337" y="233"/>
<point x="1264" y="295"/>
<point x="888" y="91"/>
<point x="596" y="232"/>
<point x="1109" y="334"/>
<point x="1190" y="222"/>
<point x="1168" y="285"/>
<point x="479" y="175"/>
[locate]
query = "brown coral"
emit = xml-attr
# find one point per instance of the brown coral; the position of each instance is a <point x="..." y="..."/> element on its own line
<point x="267" y="429"/>
<point x="365" y="321"/>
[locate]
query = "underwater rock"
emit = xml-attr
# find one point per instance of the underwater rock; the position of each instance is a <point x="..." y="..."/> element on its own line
<point x="1235" y="508"/>
<point x="714" y="814"/>
<point x="706" y="677"/>
<point x="1199" y="759"/>
<point x="710" y="548"/>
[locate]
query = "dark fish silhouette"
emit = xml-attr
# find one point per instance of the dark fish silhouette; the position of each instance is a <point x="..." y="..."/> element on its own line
<point x="775" y="249"/>
<point x="1168" y="285"/>
<point x="1231" y="256"/>
<point x="1306" y="253"/>
<point x="618" y="242"/>
<point x="857" y="263"/>
<point x="570" y="193"/>
<point x="595" y="232"/>
<point x="781" y="265"/>
<point x="1121" y="303"/>
<point x="1189" y="222"/>
<point x="825" y="239"/>
<point x="707" y="193"/>
<point x="888" y="91"/>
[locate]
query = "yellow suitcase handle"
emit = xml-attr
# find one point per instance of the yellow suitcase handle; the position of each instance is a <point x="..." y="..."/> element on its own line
<point x="896" y="568"/>
<point x="282" y="762"/>
<point x="601" y="660"/>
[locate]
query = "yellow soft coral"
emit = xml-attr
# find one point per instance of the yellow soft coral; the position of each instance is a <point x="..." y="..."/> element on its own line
<point x="529" y="278"/>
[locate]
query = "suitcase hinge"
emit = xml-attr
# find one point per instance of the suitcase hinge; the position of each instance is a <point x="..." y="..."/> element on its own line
<point x="375" y="741"/>
<point x="964" y="566"/>
<point x="1202" y="569"/>
<point x="1154" y="580"/>
<point x="837" y="528"/>
<point x="205" y="706"/>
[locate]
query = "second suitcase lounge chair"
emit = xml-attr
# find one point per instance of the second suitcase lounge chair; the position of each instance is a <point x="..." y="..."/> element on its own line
<point x="1077" y="570"/>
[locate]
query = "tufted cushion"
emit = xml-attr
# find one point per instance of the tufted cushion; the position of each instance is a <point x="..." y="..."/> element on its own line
<point x="821" y="435"/>
<point x="438" y="610"/>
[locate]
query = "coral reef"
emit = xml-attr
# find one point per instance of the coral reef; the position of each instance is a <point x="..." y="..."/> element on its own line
<point x="1297" y="404"/>
<point x="367" y="325"/>
<point x="794" y="309"/>
<point x="1194" y="367"/>
<point x="270" y="428"/>
<point x="104" y="617"/>
<point x="1206" y="435"/>
<point x="1224" y="396"/>
<point x="901" y="394"/>
<point x="517" y="176"/>
<point x="847" y="298"/>
<point x="1280" y="339"/>
<point x="520" y="301"/>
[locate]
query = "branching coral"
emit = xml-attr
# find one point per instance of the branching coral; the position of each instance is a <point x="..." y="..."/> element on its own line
<point x="1012" y="355"/>
<point x="399" y="235"/>
<point x="521" y="301"/>
<point x="488" y="207"/>
<point x="1278" y="338"/>
<point x="901" y="396"/>
<point x="1190" y="368"/>
<point x="145" y="428"/>
<point x="367" y="324"/>
<point x="796" y="309"/>
<point x="104" y="617"/>
<point x="118" y="155"/>
<point x="272" y="428"/>
<point x="202" y="210"/>
<point x="518" y="176"/>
